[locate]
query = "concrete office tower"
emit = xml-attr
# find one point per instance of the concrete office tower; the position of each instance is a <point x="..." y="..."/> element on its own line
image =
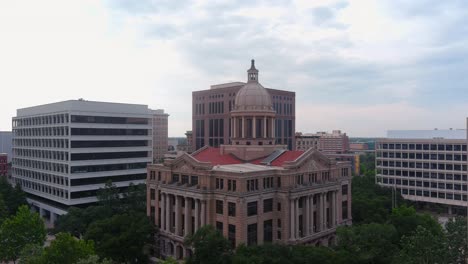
<point x="211" y="124"/>
<point x="6" y="139"/>
<point x="160" y="134"/>
<point x="333" y="143"/>
<point x="428" y="166"/>
<point x="252" y="190"/>
<point x="64" y="152"/>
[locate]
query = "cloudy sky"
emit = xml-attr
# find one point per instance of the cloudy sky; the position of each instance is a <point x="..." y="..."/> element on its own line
<point x="361" y="66"/>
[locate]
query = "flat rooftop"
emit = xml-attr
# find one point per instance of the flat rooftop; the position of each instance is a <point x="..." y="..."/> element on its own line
<point x="428" y="134"/>
<point x="84" y="106"/>
<point x="244" y="167"/>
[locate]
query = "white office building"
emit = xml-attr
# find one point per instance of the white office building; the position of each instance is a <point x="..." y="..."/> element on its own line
<point x="426" y="166"/>
<point x="64" y="152"/>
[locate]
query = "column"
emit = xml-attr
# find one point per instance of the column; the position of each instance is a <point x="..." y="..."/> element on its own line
<point x="203" y="213"/>
<point x="168" y="213"/>
<point x="156" y="207"/>
<point x="243" y="127"/>
<point x="311" y="203"/>
<point x="305" y="216"/>
<point x="254" y="127"/>
<point x="322" y="204"/>
<point x="333" y="209"/>
<point x="272" y="127"/>
<point x="41" y="212"/>
<point x="296" y="206"/>
<point x="52" y="218"/>
<point x="188" y="220"/>
<point x="292" y="220"/>
<point x="349" y="201"/>
<point x="197" y="214"/>
<point x="162" y="225"/>
<point x="265" y="127"/>
<point x="234" y="132"/>
<point x="177" y="215"/>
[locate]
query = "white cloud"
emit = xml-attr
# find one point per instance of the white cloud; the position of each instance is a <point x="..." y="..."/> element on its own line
<point x="376" y="119"/>
<point x="355" y="60"/>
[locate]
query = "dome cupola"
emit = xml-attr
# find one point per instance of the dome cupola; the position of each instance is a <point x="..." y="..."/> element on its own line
<point x="253" y="96"/>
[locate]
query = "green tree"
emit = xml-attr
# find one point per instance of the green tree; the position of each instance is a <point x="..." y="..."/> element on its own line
<point x="77" y="220"/>
<point x="134" y="199"/>
<point x="423" y="247"/>
<point x="109" y="197"/>
<point x="369" y="243"/>
<point x="456" y="233"/>
<point x="13" y="197"/>
<point x="371" y="203"/>
<point x="406" y="219"/>
<point x="169" y="260"/>
<point x="210" y="247"/>
<point x="284" y="254"/>
<point x="31" y="254"/>
<point x="66" y="249"/>
<point x="20" y="230"/>
<point x="122" y="237"/>
<point x="93" y="259"/>
<point x="3" y="209"/>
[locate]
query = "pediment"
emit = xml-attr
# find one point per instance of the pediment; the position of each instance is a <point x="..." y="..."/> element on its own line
<point x="311" y="160"/>
<point x="186" y="163"/>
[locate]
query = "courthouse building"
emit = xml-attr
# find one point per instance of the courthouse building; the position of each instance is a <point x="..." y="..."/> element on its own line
<point x="252" y="190"/>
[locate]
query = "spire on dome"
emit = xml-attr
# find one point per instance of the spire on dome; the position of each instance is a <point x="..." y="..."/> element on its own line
<point x="252" y="73"/>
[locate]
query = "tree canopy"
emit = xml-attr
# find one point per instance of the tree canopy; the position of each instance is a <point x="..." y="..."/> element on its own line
<point x="118" y="224"/>
<point x="13" y="197"/>
<point x="66" y="249"/>
<point x="16" y="232"/>
<point x="210" y="247"/>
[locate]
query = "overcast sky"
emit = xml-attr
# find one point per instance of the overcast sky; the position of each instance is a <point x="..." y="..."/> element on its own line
<point x="360" y="66"/>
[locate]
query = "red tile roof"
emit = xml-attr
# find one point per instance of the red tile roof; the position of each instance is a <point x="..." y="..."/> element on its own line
<point x="213" y="155"/>
<point x="287" y="156"/>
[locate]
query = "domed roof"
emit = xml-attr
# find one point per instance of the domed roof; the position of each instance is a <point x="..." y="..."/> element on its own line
<point x="253" y="96"/>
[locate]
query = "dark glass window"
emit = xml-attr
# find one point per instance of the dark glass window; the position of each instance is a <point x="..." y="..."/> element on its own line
<point x="267" y="205"/>
<point x="268" y="231"/>
<point x="344" y="189"/>
<point x="344" y="209"/>
<point x="108" y="132"/>
<point x="108" y="143"/>
<point x="231" y="209"/>
<point x="109" y="120"/>
<point x="185" y="179"/>
<point x="232" y="235"/>
<point x="219" y="226"/>
<point x="98" y="180"/>
<point x="252" y="234"/>
<point x="219" y="207"/>
<point x="194" y="180"/>
<point x="109" y="155"/>
<point x="110" y="167"/>
<point x="251" y="208"/>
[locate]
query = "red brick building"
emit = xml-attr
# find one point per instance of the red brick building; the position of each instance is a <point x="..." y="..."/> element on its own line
<point x="211" y="115"/>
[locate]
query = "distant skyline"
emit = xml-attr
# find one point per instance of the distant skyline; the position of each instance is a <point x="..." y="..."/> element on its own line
<point x="362" y="66"/>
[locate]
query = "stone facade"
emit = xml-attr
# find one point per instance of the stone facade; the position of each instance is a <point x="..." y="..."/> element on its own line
<point x="252" y="190"/>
